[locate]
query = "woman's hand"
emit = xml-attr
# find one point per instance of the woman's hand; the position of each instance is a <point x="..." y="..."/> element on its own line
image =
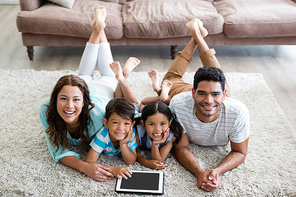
<point x="97" y="171"/>
<point x="120" y="172"/>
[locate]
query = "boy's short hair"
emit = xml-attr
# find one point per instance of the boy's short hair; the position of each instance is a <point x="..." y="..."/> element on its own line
<point x="209" y="73"/>
<point x="122" y="107"/>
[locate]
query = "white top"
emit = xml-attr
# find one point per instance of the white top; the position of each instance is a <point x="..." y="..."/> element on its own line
<point x="232" y="124"/>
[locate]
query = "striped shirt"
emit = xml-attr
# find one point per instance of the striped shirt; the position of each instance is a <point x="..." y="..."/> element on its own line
<point x="232" y="124"/>
<point x="102" y="142"/>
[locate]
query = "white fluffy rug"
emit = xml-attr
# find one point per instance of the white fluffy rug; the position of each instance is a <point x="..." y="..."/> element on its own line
<point x="27" y="168"/>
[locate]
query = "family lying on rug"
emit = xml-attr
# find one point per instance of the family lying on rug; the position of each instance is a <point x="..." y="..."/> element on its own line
<point x="105" y="114"/>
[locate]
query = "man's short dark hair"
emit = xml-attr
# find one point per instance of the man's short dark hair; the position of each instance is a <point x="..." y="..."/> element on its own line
<point x="209" y="73"/>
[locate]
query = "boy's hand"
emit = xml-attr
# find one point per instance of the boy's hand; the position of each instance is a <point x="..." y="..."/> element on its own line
<point x="128" y="136"/>
<point x="163" y="139"/>
<point x="119" y="172"/>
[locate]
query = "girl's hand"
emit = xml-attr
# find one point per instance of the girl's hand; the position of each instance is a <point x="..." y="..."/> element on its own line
<point x="163" y="139"/>
<point x="97" y="171"/>
<point x="155" y="164"/>
<point x="128" y="137"/>
<point x="119" y="172"/>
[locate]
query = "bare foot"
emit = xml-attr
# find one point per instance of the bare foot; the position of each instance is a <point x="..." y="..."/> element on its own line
<point x="153" y="74"/>
<point x="196" y="25"/>
<point x="99" y="23"/>
<point x="166" y="86"/>
<point x="116" y="68"/>
<point x="130" y="64"/>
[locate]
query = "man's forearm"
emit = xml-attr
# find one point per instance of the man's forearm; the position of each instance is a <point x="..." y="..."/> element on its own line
<point x="232" y="160"/>
<point x="188" y="160"/>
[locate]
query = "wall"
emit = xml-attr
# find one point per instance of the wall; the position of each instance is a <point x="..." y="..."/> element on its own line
<point x="9" y="1"/>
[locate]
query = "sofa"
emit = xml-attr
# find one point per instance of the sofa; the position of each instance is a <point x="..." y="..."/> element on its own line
<point x="158" y="22"/>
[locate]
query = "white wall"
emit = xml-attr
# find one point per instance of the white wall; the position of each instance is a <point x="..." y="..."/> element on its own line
<point x="9" y="1"/>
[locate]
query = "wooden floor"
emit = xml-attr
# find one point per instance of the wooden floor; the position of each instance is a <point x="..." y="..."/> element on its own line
<point x="277" y="64"/>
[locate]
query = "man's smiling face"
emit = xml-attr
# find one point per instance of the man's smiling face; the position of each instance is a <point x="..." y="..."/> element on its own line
<point x="208" y="98"/>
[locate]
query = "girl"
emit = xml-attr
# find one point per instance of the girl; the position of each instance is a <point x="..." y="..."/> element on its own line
<point x="74" y="113"/>
<point x="159" y="131"/>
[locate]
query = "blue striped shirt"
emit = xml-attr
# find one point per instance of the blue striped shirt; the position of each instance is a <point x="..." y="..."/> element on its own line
<point x="102" y="142"/>
<point x="232" y="124"/>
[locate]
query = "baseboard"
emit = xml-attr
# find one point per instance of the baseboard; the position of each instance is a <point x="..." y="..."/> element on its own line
<point x="9" y="1"/>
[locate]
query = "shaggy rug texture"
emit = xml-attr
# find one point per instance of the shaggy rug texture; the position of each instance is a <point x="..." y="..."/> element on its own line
<point x="27" y="168"/>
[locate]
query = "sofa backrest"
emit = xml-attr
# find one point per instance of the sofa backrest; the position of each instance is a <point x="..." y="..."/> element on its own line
<point x="29" y="5"/>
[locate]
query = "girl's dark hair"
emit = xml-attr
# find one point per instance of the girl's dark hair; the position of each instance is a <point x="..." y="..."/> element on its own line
<point x="122" y="107"/>
<point x="57" y="129"/>
<point x="160" y="107"/>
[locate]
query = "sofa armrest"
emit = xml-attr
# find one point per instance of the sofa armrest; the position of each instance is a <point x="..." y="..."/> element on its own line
<point x="29" y="5"/>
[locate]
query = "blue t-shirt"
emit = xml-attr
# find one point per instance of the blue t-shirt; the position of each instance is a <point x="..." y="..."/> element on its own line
<point x="102" y="142"/>
<point x="97" y="115"/>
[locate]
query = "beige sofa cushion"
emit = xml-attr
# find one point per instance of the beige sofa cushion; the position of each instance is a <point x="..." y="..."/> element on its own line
<point x="258" y="18"/>
<point x="167" y="19"/>
<point x="52" y="19"/>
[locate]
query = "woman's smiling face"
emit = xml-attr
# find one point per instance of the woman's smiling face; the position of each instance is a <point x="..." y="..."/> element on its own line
<point x="70" y="103"/>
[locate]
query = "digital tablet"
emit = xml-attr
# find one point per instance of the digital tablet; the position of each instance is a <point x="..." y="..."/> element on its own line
<point x="145" y="182"/>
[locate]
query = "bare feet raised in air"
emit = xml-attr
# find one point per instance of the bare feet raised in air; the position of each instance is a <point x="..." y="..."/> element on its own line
<point x="153" y="74"/>
<point x="116" y="68"/>
<point x="100" y="16"/>
<point x="196" y="25"/>
<point x="130" y="64"/>
<point x="166" y="86"/>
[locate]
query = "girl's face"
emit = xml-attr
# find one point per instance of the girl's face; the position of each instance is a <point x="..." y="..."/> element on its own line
<point x="156" y="125"/>
<point x="118" y="127"/>
<point x="70" y="103"/>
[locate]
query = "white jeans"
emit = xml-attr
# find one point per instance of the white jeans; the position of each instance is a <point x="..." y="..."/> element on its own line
<point x="98" y="54"/>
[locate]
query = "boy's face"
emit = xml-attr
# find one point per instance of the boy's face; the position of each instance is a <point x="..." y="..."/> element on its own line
<point x="118" y="127"/>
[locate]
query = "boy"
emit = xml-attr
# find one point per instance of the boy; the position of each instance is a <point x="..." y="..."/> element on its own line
<point x="117" y="136"/>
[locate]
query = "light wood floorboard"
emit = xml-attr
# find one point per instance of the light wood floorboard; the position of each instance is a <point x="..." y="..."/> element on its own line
<point x="277" y="64"/>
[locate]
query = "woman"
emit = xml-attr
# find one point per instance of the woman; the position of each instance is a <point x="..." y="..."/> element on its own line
<point x="73" y="114"/>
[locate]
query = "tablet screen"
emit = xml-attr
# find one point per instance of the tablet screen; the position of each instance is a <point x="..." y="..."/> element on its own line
<point x="142" y="182"/>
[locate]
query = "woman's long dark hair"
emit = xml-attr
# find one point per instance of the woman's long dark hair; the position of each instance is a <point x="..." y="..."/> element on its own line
<point x="160" y="107"/>
<point x="57" y="129"/>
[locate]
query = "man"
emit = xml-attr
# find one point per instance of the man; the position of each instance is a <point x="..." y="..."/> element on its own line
<point x="209" y="117"/>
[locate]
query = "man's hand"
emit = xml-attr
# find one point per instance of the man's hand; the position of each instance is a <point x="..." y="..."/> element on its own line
<point x="213" y="181"/>
<point x="97" y="171"/>
<point x="202" y="179"/>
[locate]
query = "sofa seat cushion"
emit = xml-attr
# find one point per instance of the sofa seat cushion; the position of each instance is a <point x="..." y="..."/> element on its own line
<point x="258" y="18"/>
<point x="52" y="19"/>
<point x="167" y="19"/>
